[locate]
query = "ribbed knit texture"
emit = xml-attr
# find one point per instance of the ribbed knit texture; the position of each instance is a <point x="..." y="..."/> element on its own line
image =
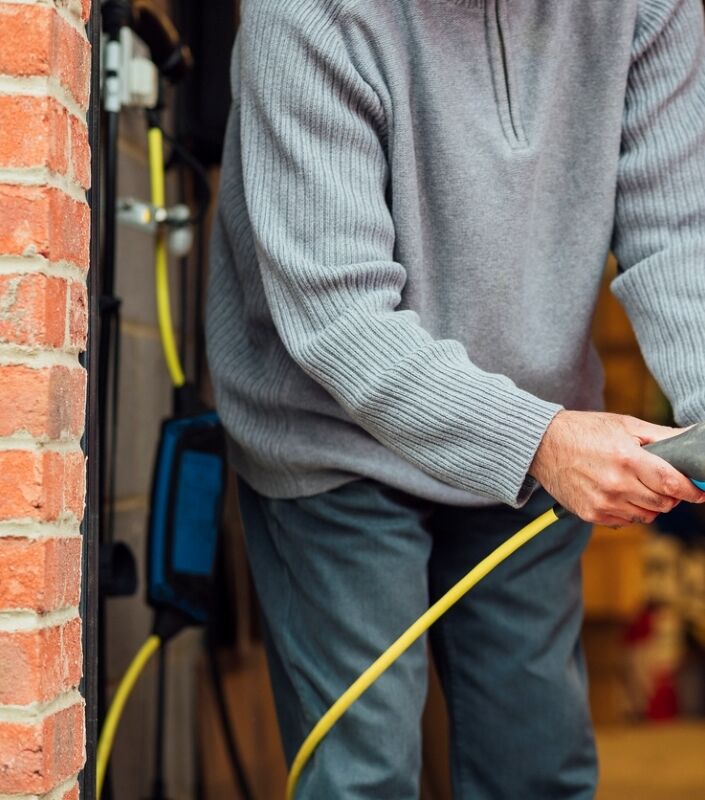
<point x="416" y="203"/>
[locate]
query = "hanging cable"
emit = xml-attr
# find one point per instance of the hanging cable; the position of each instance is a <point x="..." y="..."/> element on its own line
<point x="112" y="719"/>
<point x="158" y="784"/>
<point x="411" y="635"/>
<point x="161" y="265"/>
<point x="199" y="171"/>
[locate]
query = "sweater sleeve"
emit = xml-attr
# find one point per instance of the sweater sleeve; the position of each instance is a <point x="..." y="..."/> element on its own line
<point x="315" y="175"/>
<point x="659" y="237"/>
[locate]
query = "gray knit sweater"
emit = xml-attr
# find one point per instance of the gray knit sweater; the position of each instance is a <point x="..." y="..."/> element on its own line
<point x="416" y="203"/>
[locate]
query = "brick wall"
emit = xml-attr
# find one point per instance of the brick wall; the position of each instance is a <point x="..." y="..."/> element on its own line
<point x="44" y="234"/>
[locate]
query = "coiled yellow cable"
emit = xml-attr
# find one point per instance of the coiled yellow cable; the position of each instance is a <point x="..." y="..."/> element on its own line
<point x="417" y="629"/>
<point x="155" y="143"/>
<point x="112" y="719"/>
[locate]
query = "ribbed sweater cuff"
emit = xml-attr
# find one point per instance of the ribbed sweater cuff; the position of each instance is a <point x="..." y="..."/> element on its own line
<point x="526" y="419"/>
<point x="491" y="427"/>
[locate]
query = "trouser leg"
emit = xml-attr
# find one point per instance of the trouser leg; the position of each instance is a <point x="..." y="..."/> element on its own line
<point x="510" y="658"/>
<point x="339" y="576"/>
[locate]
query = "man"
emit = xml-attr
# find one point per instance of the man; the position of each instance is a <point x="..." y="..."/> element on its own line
<point x="417" y="200"/>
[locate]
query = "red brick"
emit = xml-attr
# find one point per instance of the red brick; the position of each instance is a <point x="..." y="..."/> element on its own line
<point x="71" y="60"/>
<point x="44" y="220"/>
<point x="31" y="26"/>
<point x="43" y="40"/>
<point x="80" y="152"/>
<point x="33" y="132"/>
<point x="46" y="45"/>
<point x="33" y="309"/>
<point x="24" y="225"/>
<point x="78" y="315"/>
<point x="44" y="486"/>
<point x="74" y="392"/>
<point x="35" y="758"/>
<point x="69" y="225"/>
<point x="64" y="485"/>
<point x="40" y="664"/>
<point x="39" y="574"/>
<point x="21" y="490"/>
<point x="45" y="402"/>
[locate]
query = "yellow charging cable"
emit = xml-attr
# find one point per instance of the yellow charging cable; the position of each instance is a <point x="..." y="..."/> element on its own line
<point x="358" y="687"/>
<point x="155" y="142"/>
<point x="404" y="642"/>
<point x="112" y="720"/>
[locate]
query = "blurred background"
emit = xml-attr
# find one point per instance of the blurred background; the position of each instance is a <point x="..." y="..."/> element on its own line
<point x="644" y="629"/>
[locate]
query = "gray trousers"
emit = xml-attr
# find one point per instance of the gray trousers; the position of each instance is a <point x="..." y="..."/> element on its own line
<point x="340" y="575"/>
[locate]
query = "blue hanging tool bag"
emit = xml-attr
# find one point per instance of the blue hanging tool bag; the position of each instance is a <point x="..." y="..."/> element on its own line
<point x="188" y="492"/>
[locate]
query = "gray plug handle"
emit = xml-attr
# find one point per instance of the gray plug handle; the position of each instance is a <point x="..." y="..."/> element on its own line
<point x="685" y="452"/>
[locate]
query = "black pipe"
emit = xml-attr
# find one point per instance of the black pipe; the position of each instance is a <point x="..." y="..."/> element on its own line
<point x="91" y="518"/>
<point x="107" y="309"/>
<point x="108" y="302"/>
<point x="158" y="783"/>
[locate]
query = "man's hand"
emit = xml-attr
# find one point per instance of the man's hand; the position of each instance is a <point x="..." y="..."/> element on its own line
<point x="593" y="465"/>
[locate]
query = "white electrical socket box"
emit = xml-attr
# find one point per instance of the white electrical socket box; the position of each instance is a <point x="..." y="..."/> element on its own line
<point x="135" y="80"/>
<point x="140" y="84"/>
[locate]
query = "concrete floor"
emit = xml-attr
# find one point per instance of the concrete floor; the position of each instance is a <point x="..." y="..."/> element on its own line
<point x="664" y="761"/>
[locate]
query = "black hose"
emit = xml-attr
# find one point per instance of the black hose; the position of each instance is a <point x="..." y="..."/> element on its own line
<point x="114" y="421"/>
<point x="108" y="303"/>
<point x="183" y="283"/>
<point x="153" y="25"/>
<point x="200" y="172"/>
<point x="158" y="784"/>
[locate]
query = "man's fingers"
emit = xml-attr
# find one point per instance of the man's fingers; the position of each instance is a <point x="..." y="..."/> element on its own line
<point x="613" y="521"/>
<point x="663" y="479"/>
<point x="649" y="500"/>
<point x="639" y="516"/>
<point x="625" y="514"/>
<point x="596" y="466"/>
